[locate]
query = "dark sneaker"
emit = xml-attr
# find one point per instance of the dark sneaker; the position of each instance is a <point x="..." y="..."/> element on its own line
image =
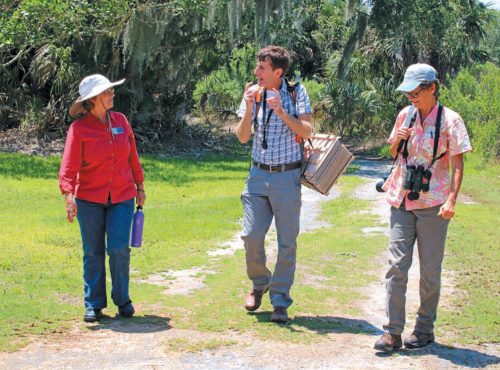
<point x="126" y="310"/>
<point x="92" y="314"/>
<point x="418" y="339"/>
<point x="388" y="342"/>
<point x="254" y="299"/>
<point x="279" y="315"/>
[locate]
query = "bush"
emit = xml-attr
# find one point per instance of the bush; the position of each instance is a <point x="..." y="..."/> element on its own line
<point x="384" y="151"/>
<point x="313" y="91"/>
<point x="474" y="95"/>
<point x="221" y="91"/>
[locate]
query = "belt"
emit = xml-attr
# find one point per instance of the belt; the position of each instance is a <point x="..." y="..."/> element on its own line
<point x="278" y="167"/>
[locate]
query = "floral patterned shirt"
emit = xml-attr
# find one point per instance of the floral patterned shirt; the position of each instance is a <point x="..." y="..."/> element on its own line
<point x="453" y="140"/>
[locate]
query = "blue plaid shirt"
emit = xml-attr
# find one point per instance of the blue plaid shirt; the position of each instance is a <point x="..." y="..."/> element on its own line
<point x="282" y="145"/>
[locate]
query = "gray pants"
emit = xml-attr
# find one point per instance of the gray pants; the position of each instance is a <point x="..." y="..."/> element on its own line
<point x="266" y="195"/>
<point x="429" y="230"/>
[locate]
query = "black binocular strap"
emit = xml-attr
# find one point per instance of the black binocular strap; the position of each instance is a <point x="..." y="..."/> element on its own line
<point x="436" y="137"/>
<point x="403" y="144"/>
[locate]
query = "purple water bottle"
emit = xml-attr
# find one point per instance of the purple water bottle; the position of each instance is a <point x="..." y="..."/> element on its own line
<point x="137" y="226"/>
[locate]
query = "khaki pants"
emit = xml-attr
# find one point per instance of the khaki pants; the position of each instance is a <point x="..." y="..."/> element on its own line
<point x="269" y="195"/>
<point x="429" y="231"/>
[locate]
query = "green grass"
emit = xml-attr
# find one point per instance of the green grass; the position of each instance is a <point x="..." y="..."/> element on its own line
<point x="341" y="254"/>
<point x="186" y="345"/>
<point x="193" y="206"/>
<point x="472" y="252"/>
<point x="383" y="151"/>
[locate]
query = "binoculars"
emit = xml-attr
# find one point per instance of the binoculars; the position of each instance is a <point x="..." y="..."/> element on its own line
<point x="416" y="180"/>
<point x="379" y="185"/>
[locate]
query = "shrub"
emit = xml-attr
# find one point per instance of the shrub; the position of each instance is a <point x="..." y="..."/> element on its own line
<point x="313" y="91"/>
<point x="221" y="91"/>
<point x="474" y="95"/>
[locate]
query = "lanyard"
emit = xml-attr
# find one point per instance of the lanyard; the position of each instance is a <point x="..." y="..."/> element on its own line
<point x="110" y="126"/>
<point x="265" y="122"/>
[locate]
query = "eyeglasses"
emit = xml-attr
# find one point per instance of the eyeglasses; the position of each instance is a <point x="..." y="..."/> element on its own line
<point x="413" y="94"/>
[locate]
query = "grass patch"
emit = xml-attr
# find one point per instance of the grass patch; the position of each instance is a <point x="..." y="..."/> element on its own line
<point x="383" y="151"/>
<point x="186" y="345"/>
<point x="472" y="252"/>
<point x="341" y="254"/>
<point x="193" y="206"/>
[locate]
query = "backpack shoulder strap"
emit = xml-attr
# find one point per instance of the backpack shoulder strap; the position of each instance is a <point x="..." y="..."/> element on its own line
<point x="292" y="89"/>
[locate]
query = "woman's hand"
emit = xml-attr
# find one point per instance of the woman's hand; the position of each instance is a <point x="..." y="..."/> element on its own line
<point x="404" y="133"/>
<point x="71" y="208"/>
<point x="141" y="197"/>
<point x="447" y="210"/>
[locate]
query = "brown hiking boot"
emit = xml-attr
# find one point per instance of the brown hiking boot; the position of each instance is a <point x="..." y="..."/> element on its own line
<point x="279" y="315"/>
<point x="418" y="339"/>
<point x="254" y="299"/>
<point x="388" y="342"/>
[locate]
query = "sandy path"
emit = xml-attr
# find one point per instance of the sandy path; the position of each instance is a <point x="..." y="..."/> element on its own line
<point x="141" y="345"/>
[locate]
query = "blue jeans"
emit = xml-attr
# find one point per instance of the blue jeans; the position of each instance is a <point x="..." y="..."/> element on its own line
<point x="269" y="195"/>
<point x="105" y="228"/>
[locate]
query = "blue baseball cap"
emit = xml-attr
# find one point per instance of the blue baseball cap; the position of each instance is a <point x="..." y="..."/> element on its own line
<point x="415" y="75"/>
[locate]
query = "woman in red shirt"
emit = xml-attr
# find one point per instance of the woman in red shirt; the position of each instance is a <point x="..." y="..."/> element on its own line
<point x="100" y="176"/>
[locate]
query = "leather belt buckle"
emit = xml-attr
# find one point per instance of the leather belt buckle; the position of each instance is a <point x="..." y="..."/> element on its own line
<point x="277" y="168"/>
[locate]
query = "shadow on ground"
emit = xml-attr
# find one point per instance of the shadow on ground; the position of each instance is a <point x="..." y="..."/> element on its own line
<point x="458" y="356"/>
<point x="324" y="324"/>
<point x="136" y="324"/>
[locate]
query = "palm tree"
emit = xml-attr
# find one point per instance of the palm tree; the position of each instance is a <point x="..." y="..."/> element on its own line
<point x="444" y="33"/>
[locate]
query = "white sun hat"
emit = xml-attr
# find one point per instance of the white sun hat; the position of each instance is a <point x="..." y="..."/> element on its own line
<point x="415" y="75"/>
<point x="91" y="86"/>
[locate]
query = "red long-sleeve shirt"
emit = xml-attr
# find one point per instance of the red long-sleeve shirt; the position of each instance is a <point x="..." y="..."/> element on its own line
<point x="97" y="163"/>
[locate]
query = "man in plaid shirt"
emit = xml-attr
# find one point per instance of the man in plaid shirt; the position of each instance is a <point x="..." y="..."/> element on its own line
<point x="273" y="186"/>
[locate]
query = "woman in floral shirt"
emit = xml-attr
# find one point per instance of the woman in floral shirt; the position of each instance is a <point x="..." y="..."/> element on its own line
<point x="422" y="194"/>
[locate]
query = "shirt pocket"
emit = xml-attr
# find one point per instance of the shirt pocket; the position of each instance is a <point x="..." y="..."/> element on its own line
<point x="428" y="139"/>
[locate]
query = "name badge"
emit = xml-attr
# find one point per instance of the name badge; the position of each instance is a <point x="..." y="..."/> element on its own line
<point x="117" y="130"/>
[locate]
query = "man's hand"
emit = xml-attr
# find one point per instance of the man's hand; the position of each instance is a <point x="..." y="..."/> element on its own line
<point x="249" y="95"/>
<point x="274" y="101"/>
<point x="244" y="129"/>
